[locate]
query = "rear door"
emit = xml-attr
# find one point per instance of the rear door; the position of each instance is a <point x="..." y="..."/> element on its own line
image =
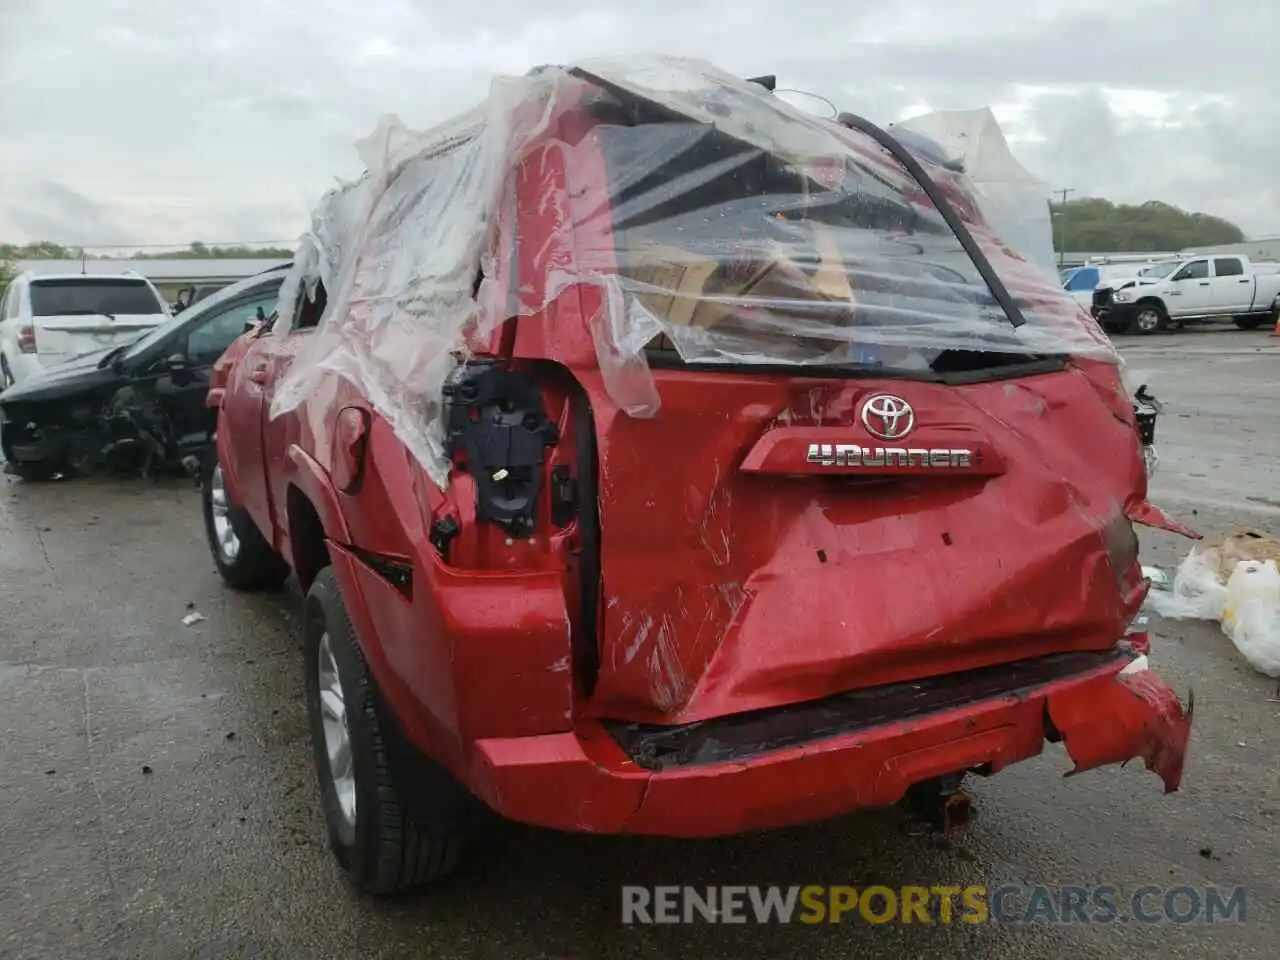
<point x="1232" y="285"/>
<point x="75" y="315"/>
<point x="279" y="434"/>
<point x="240" y="425"/>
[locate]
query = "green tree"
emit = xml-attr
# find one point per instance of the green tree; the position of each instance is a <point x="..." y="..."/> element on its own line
<point x="1097" y="225"/>
<point x="44" y="250"/>
<point x="200" y="251"/>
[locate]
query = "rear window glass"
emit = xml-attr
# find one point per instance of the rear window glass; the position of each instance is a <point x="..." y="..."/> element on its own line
<point x="60" y="298"/>
<point x="713" y="233"/>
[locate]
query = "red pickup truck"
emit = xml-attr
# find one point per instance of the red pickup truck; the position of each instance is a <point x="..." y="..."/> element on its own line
<point x="656" y="459"/>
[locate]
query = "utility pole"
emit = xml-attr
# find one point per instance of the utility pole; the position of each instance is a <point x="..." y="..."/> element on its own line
<point x="1062" y="234"/>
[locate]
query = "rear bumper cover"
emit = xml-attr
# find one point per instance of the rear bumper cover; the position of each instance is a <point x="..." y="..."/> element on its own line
<point x="1114" y="711"/>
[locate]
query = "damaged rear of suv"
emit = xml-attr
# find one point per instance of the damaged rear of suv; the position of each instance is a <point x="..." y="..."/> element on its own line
<point x="660" y="459"/>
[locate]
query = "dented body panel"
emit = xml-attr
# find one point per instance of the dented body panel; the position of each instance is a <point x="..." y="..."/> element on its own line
<point x="616" y="589"/>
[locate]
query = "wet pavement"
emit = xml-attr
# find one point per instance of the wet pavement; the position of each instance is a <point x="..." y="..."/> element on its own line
<point x="157" y="798"/>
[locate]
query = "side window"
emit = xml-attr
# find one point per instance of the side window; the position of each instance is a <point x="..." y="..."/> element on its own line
<point x="1228" y="267"/>
<point x="209" y="340"/>
<point x="1086" y="278"/>
<point x="311" y="309"/>
<point x="1195" y="270"/>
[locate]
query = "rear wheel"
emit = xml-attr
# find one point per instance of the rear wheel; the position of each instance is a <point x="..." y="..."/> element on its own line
<point x="1250" y="323"/>
<point x="382" y="844"/>
<point x="244" y="558"/>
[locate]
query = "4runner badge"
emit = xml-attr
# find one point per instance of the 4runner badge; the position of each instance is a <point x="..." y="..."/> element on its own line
<point x="855" y="455"/>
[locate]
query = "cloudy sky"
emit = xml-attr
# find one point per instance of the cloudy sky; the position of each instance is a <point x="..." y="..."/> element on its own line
<point x="163" y="121"/>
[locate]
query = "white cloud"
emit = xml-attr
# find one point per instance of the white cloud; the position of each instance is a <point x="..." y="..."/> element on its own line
<point x="226" y="119"/>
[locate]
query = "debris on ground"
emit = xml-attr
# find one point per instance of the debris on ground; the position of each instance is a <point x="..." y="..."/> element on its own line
<point x="1237" y="584"/>
<point x="1158" y="577"/>
<point x="194" y="617"/>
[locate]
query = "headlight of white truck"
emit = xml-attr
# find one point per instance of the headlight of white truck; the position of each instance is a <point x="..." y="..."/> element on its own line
<point x="1123" y="296"/>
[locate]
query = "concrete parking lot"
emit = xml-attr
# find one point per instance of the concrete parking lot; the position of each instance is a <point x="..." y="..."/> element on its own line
<point x="157" y="797"/>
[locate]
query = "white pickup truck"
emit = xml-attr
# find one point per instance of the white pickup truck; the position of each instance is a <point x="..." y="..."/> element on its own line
<point x="1170" y="293"/>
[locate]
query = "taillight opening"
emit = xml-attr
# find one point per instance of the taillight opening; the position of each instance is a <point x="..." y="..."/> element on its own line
<point x="27" y="339"/>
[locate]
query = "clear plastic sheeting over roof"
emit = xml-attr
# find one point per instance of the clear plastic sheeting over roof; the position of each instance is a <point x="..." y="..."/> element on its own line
<point x="715" y="222"/>
<point x="1012" y="200"/>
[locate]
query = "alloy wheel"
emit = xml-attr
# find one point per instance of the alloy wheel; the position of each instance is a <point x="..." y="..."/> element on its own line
<point x="227" y="541"/>
<point x="337" y="734"/>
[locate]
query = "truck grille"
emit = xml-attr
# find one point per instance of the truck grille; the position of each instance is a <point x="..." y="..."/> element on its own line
<point x="1102" y="296"/>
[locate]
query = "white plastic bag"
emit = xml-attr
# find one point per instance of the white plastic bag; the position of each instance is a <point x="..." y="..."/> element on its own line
<point x="1251" y="614"/>
<point x="1247" y="605"/>
<point x="1196" y="594"/>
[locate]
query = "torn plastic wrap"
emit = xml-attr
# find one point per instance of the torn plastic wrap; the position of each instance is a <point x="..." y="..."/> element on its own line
<point x="1013" y="201"/>
<point x="734" y="228"/>
<point x="397" y="253"/>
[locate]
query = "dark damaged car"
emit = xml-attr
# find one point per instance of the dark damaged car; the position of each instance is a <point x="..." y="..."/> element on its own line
<point x="139" y="405"/>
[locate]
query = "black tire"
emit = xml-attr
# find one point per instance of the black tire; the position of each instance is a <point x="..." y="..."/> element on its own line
<point x="1250" y="323"/>
<point x="37" y="471"/>
<point x="29" y="471"/>
<point x="254" y="565"/>
<point x="385" y="845"/>
<point x="1149" y="318"/>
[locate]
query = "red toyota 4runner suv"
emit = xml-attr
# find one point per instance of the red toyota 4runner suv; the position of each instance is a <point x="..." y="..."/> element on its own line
<point x="658" y="459"/>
